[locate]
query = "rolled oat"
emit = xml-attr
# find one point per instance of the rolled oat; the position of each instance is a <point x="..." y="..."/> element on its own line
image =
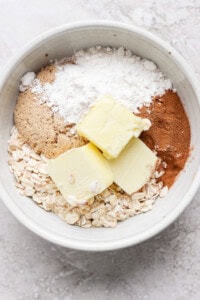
<point x="104" y="210"/>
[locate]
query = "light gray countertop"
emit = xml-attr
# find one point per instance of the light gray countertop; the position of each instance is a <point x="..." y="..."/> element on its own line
<point x="165" y="267"/>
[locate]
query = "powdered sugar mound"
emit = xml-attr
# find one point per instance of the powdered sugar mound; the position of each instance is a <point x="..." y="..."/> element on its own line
<point x="98" y="71"/>
<point x="26" y="81"/>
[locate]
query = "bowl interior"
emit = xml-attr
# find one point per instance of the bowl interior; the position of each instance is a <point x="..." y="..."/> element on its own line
<point x="135" y="229"/>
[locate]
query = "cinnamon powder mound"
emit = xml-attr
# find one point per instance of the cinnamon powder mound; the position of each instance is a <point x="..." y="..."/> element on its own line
<point x="169" y="134"/>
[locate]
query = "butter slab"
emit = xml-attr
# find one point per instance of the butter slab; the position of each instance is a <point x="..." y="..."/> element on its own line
<point x="134" y="166"/>
<point x="110" y="126"/>
<point x="80" y="173"/>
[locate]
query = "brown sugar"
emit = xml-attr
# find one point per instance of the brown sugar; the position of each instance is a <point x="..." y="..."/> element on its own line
<point x="43" y="130"/>
<point x="169" y="134"/>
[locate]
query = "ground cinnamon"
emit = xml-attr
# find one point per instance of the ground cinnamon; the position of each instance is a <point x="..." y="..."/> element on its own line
<point x="169" y="134"/>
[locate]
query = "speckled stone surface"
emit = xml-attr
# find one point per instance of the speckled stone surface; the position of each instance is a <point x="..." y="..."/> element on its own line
<point x="165" y="267"/>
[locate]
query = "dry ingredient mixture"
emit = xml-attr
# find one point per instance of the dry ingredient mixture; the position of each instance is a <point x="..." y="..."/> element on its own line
<point x="51" y="103"/>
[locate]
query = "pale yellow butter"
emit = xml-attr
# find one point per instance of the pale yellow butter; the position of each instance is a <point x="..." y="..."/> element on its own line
<point x="109" y="125"/>
<point x="80" y="173"/>
<point x="134" y="166"/>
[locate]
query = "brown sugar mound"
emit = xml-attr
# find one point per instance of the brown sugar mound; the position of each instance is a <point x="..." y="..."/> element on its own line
<point x="169" y="134"/>
<point x="43" y="130"/>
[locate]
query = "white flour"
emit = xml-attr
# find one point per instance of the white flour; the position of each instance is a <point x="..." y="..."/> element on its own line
<point x="131" y="80"/>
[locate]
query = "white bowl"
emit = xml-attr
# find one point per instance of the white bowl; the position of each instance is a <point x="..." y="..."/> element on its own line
<point x="61" y="42"/>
